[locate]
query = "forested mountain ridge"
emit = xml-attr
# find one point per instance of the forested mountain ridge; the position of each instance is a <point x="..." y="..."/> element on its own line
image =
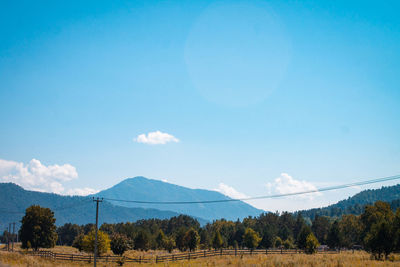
<point x="144" y="189"/>
<point x="355" y="204"/>
<point x="68" y="209"/>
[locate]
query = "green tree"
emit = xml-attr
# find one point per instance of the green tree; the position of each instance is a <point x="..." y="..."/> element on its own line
<point x="351" y="229"/>
<point x="169" y="244"/>
<point x="288" y="243"/>
<point x="38" y="228"/>
<point x="119" y="244"/>
<point x="379" y="240"/>
<point x="320" y="227"/>
<point x="67" y="233"/>
<point x="251" y="238"/>
<point x="278" y="242"/>
<point x="205" y="241"/>
<point x="192" y="239"/>
<point x="302" y="236"/>
<point x="217" y="241"/>
<point x="396" y="230"/>
<point x="142" y="240"/>
<point x="160" y="239"/>
<point x="311" y="244"/>
<point x="298" y="225"/>
<point x="103" y="242"/>
<point x="378" y="231"/>
<point x="78" y="242"/>
<point x="334" y="236"/>
<point x="267" y="240"/>
<point x="376" y="213"/>
<point x="180" y="239"/>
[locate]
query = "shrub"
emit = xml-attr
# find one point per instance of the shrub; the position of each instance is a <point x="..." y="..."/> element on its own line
<point x="311" y="244"/>
<point x="278" y="242"/>
<point x="103" y="242"/>
<point x="251" y="238"/>
<point x="119" y="244"/>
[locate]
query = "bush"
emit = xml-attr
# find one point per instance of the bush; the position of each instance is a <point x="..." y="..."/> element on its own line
<point x="103" y="242"/>
<point x="169" y="243"/>
<point x="119" y="244"/>
<point x="251" y="238"/>
<point x="78" y="241"/>
<point x="142" y="240"/>
<point x="278" y="242"/>
<point x="311" y="244"/>
<point x="288" y="243"/>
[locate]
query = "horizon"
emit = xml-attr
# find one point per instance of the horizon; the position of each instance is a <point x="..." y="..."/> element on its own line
<point x="248" y="98"/>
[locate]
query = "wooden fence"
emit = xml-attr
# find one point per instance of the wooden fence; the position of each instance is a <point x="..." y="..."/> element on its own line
<point x="169" y="257"/>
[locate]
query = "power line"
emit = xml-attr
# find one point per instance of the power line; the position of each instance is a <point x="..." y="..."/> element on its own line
<point x="378" y="180"/>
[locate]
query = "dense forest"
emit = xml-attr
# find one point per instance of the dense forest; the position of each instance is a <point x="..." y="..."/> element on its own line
<point x="355" y="204"/>
<point x="377" y="230"/>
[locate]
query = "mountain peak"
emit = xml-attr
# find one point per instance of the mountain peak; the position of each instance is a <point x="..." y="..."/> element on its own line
<point x="144" y="189"/>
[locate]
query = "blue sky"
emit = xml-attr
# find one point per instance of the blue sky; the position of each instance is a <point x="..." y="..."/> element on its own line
<point x="246" y="91"/>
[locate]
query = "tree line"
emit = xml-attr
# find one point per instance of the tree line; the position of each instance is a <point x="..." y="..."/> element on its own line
<point x="377" y="230"/>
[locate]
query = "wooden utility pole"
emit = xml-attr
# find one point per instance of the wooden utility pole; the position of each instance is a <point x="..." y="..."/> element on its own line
<point x="13" y="236"/>
<point x="97" y="200"/>
<point x="9" y="235"/>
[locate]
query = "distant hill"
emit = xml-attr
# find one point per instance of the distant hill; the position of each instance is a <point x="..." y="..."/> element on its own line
<point x="355" y="204"/>
<point x="144" y="189"/>
<point x="80" y="210"/>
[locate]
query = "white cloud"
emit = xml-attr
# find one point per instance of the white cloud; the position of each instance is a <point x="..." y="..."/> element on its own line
<point x="286" y="184"/>
<point x="155" y="138"/>
<point x="229" y="191"/>
<point x="38" y="177"/>
<point x="82" y="191"/>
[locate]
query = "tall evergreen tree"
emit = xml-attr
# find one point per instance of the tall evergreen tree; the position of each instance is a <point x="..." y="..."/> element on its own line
<point x="334" y="236"/>
<point x="217" y="241"/>
<point x="302" y="236"/>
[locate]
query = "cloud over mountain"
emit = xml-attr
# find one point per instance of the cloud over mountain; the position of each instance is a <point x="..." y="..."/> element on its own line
<point x="39" y="177"/>
<point x="229" y="191"/>
<point x="286" y="184"/>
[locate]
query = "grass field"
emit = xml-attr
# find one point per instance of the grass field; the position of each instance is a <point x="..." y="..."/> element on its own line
<point x="318" y="260"/>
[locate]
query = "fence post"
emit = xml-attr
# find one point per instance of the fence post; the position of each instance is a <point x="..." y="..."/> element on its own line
<point x="156" y="259"/>
<point x="204" y="253"/>
<point x="220" y="252"/>
<point x="266" y="251"/>
<point x="189" y="256"/>
<point x="140" y="259"/>
<point x="281" y="251"/>
<point x="235" y="251"/>
<point x="173" y="258"/>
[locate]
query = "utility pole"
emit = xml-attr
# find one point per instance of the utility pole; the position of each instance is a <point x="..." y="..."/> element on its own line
<point x="8" y="239"/>
<point x="6" y="233"/>
<point x="13" y="236"/>
<point x="97" y="200"/>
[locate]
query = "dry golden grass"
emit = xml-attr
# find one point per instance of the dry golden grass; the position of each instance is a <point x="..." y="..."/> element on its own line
<point x="318" y="260"/>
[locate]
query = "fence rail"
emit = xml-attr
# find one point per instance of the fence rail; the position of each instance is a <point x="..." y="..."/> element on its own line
<point x="170" y="257"/>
